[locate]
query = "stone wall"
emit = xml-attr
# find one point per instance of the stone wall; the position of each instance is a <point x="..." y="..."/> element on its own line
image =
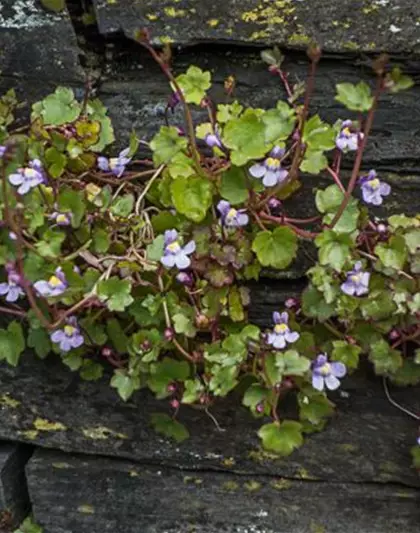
<point x="98" y="466"/>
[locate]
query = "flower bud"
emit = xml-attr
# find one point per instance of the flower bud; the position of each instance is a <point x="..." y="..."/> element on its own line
<point x="274" y="204"/>
<point x="201" y="321"/>
<point x="169" y="334"/>
<point x="106" y="351"/>
<point x="259" y="408"/>
<point x="171" y="388"/>
<point x="174" y="404"/>
<point x="185" y="278"/>
<point x="291" y="303"/>
<point x="146" y="345"/>
<point x="394" y="334"/>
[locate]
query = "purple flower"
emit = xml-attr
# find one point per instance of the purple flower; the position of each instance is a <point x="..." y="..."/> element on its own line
<point x="174" y="254"/>
<point x="29" y="177"/>
<point x="418" y="441"/>
<point x="373" y="189"/>
<point x="270" y="169"/>
<point x="212" y="140"/>
<point x="357" y="282"/>
<point x="2" y="150"/>
<point x="281" y="333"/>
<point x="185" y="278"/>
<point x="61" y="219"/>
<point x="116" y="165"/>
<point x="69" y="337"/>
<point x="325" y="373"/>
<point x="231" y="217"/>
<point x="11" y="289"/>
<point x="348" y="139"/>
<point x="55" y="286"/>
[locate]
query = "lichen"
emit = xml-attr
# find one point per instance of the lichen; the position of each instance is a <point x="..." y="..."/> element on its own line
<point x="213" y="23"/>
<point x="26" y="14"/>
<point x="230" y="485"/>
<point x="86" y="509"/>
<point x="102" y="433"/>
<point x="42" y="424"/>
<point x="252" y="485"/>
<point x="174" y="13"/>
<point x="193" y="480"/>
<point x="228" y="461"/>
<point x="29" y="434"/>
<point x="61" y="466"/>
<point x="281" y="484"/>
<point x="7" y="401"/>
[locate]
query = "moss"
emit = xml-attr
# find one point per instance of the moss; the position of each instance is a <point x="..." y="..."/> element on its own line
<point x="262" y="456"/>
<point x="281" y="484"/>
<point x="230" y="485"/>
<point x="270" y="12"/>
<point x="299" y="39"/>
<point x="174" y="13"/>
<point x="213" y="23"/>
<point x="29" y="434"/>
<point x="389" y="466"/>
<point x="43" y="424"/>
<point x="7" y="401"/>
<point x="316" y="528"/>
<point x="152" y="16"/>
<point x="86" y="509"/>
<point x="102" y="433"/>
<point x="133" y="473"/>
<point x="252" y="485"/>
<point x="351" y="45"/>
<point x="165" y="39"/>
<point x="228" y="461"/>
<point x="302" y="473"/>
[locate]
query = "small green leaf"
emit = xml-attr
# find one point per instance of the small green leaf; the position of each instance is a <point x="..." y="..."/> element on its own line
<point x="393" y="254"/>
<point x="73" y="361"/>
<point x="396" y="81"/>
<point x="192" y="197"/>
<point x="294" y="364"/>
<point x="164" y="373"/>
<point x="281" y="438"/>
<point x="313" y="162"/>
<point x="167" y="426"/>
<point x="194" y="84"/>
<point x="234" y="186"/>
<point x="122" y="206"/>
<point x="407" y="374"/>
<point x="116" y="293"/>
<point x="193" y="388"/>
<point x="334" y="249"/>
<point x="279" y="122"/>
<point x="255" y="395"/>
<point x="71" y="201"/>
<point x="166" y="144"/>
<point x="126" y="385"/>
<point x="245" y="136"/>
<point x="415" y="452"/>
<point x="277" y="248"/>
<point x="12" y="343"/>
<point x="39" y="340"/>
<point x="227" y="112"/>
<point x="100" y="240"/>
<point x="346" y="353"/>
<point x="60" y="107"/>
<point x="318" y="135"/>
<point x="29" y="526"/>
<point x="224" y="379"/>
<point x="314" y="304"/>
<point x="184" y="325"/>
<point x="91" y="371"/>
<point x="314" y="407"/>
<point x="355" y="97"/>
<point x="385" y="359"/>
<point x="54" y="5"/>
<point x="155" y="249"/>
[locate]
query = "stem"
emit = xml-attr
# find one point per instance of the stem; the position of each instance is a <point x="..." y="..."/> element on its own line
<point x="336" y="178"/>
<point x="282" y="222"/>
<point x="334" y="330"/>
<point x="358" y="160"/>
<point x="183" y="351"/>
<point x="15" y="312"/>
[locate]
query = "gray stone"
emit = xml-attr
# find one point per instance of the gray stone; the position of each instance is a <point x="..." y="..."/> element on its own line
<point x="94" y="495"/>
<point x="14" y="499"/>
<point x="367" y="441"/>
<point x="368" y="26"/>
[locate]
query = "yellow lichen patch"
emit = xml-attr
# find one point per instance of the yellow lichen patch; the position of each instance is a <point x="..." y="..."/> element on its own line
<point x="274" y="13"/>
<point x="192" y="480"/>
<point x="259" y="35"/>
<point x="165" y="39"/>
<point x="230" y="485"/>
<point x="133" y="473"/>
<point x="349" y="448"/>
<point x="213" y="23"/>
<point x="29" y="434"/>
<point x="86" y="509"/>
<point x="61" y="466"/>
<point x="102" y="433"/>
<point x="173" y="13"/>
<point x="151" y="16"/>
<point x="299" y="39"/>
<point x="281" y="484"/>
<point x="8" y="401"/>
<point x="228" y="461"/>
<point x="304" y="474"/>
<point x="43" y="424"/>
<point x="252" y="485"/>
<point x="370" y="9"/>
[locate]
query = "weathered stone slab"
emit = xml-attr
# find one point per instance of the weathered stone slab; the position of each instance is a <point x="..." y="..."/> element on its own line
<point x="37" y="44"/>
<point x="73" y="494"/>
<point x="368" y="439"/>
<point x="14" y="499"/>
<point x="366" y="25"/>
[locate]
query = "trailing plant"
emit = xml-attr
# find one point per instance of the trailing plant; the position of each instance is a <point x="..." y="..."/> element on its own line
<point x="143" y="264"/>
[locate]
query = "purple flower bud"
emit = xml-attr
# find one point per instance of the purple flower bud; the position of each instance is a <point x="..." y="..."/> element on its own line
<point x="174" y="100"/>
<point x="259" y="407"/>
<point x="185" y="278"/>
<point x="106" y="351"/>
<point x="325" y="374"/>
<point x="13" y="236"/>
<point x="291" y="303"/>
<point x="169" y="334"/>
<point x="146" y="345"/>
<point x="212" y="140"/>
<point x="274" y="204"/>
<point x="2" y="151"/>
<point x="394" y="334"/>
<point x="174" y="404"/>
<point x="171" y="388"/>
<point x="382" y="228"/>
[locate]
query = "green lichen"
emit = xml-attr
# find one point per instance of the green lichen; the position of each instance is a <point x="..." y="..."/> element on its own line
<point x="29" y="434"/>
<point x="61" y="466"/>
<point x="281" y="484"/>
<point x="42" y="424"/>
<point x="349" y="448"/>
<point x="193" y="480"/>
<point x="228" y="461"/>
<point x="86" y="509"/>
<point x="102" y="433"/>
<point x="252" y="485"/>
<point x="7" y="401"/>
<point x="230" y="486"/>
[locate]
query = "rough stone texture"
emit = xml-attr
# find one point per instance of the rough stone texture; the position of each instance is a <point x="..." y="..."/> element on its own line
<point x="77" y="494"/>
<point x="367" y="441"/>
<point x="14" y="499"/>
<point x="365" y="25"/>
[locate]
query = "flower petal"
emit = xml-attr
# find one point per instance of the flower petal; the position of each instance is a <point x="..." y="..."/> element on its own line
<point x="77" y="340"/>
<point x="258" y="170"/>
<point x="279" y="341"/>
<point x="292" y="336"/>
<point x="276" y="317"/>
<point x="242" y="219"/>
<point x="223" y="207"/>
<point x="189" y="248"/>
<point x="43" y="288"/>
<point x="57" y="336"/>
<point x="168" y="260"/>
<point x="338" y="369"/>
<point x="384" y="189"/>
<point x="317" y="382"/>
<point x="182" y="260"/>
<point x="4" y="288"/>
<point x="16" y="179"/>
<point x="65" y="344"/>
<point x="331" y="382"/>
<point x="103" y="163"/>
<point x="348" y="288"/>
<point x="270" y="179"/>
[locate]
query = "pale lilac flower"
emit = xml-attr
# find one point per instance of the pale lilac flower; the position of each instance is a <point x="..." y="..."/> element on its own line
<point x="230" y="216"/>
<point x="55" y="286"/>
<point x="61" y="219"/>
<point x="418" y="441"/>
<point x="373" y="189"/>
<point x="69" y="337"/>
<point x="212" y="140"/>
<point x="348" y="139"/>
<point x="2" y="151"/>
<point x="29" y="177"/>
<point x="325" y="374"/>
<point x="12" y="236"/>
<point x="270" y="169"/>
<point x="11" y="288"/>
<point x="281" y="334"/>
<point x="174" y="254"/>
<point x="116" y="165"/>
<point x="185" y="279"/>
<point x="357" y="282"/>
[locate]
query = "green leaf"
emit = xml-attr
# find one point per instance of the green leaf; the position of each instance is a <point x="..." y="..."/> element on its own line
<point x="100" y="240"/>
<point x="164" y="373"/>
<point x="318" y="135"/>
<point x="236" y="308"/>
<point x="184" y="325"/>
<point x="223" y="380"/>
<point x="403" y="221"/>
<point x="97" y="111"/>
<point x="54" y="5"/>
<point x="71" y="201"/>
<point x="60" y="107"/>
<point x="56" y="161"/>
<point x="167" y="426"/>
<point x="39" y="340"/>
<point x="294" y="364"/>
<point x="407" y="374"/>
<point x="116" y="293"/>
<point x="155" y="249"/>
<point x="346" y="353"/>
<point x="228" y="112"/>
<point x="91" y="371"/>
<point x="313" y="162"/>
<point x="355" y="97"/>
<point x="378" y="306"/>
<point x="393" y="254"/>
<point x="234" y="186"/>
<point x="314" y="407"/>
<point x="164" y="221"/>
<point x="329" y="199"/>
<point x="412" y="240"/>
<point x="50" y="245"/>
<point x="193" y="388"/>
<point x="277" y="248"/>
<point x="245" y="136"/>
<point x="125" y="384"/>
<point x="192" y="197"/>
<point x="29" y="526"/>
<point x="194" y="84"/>
<point x="255" y="395"/>
<point x="314" y="304"/>
<point x="415" y="452"/>
<point x="122" y="206"/>
<point x="166" y="144"/>
<point x="12" y="343"/>
<point x="281" y="438"/>
<point x="396" y="81"/>
<point x="385" y="359"/>
<point x="279" y="122"/>
<point x="334" y="249"/>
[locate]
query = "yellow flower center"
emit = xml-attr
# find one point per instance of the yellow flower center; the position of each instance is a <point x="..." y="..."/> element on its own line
<point x="61" y="218"/>
<point x="174" y="247"/>
<point x="232" y="213"/>
<point x="69" y="330"/>
<point x="280" y="328"/>
<point x="325" y="369"/>
<point x="355" y="278"/>
<point x="54" y="281"/>
<point x="30" y="173"/>
<point x="346" y="132"/>
<point x="374" y="184"/>
<point x="272" y="162"/>
<point x="113" y="162"/>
